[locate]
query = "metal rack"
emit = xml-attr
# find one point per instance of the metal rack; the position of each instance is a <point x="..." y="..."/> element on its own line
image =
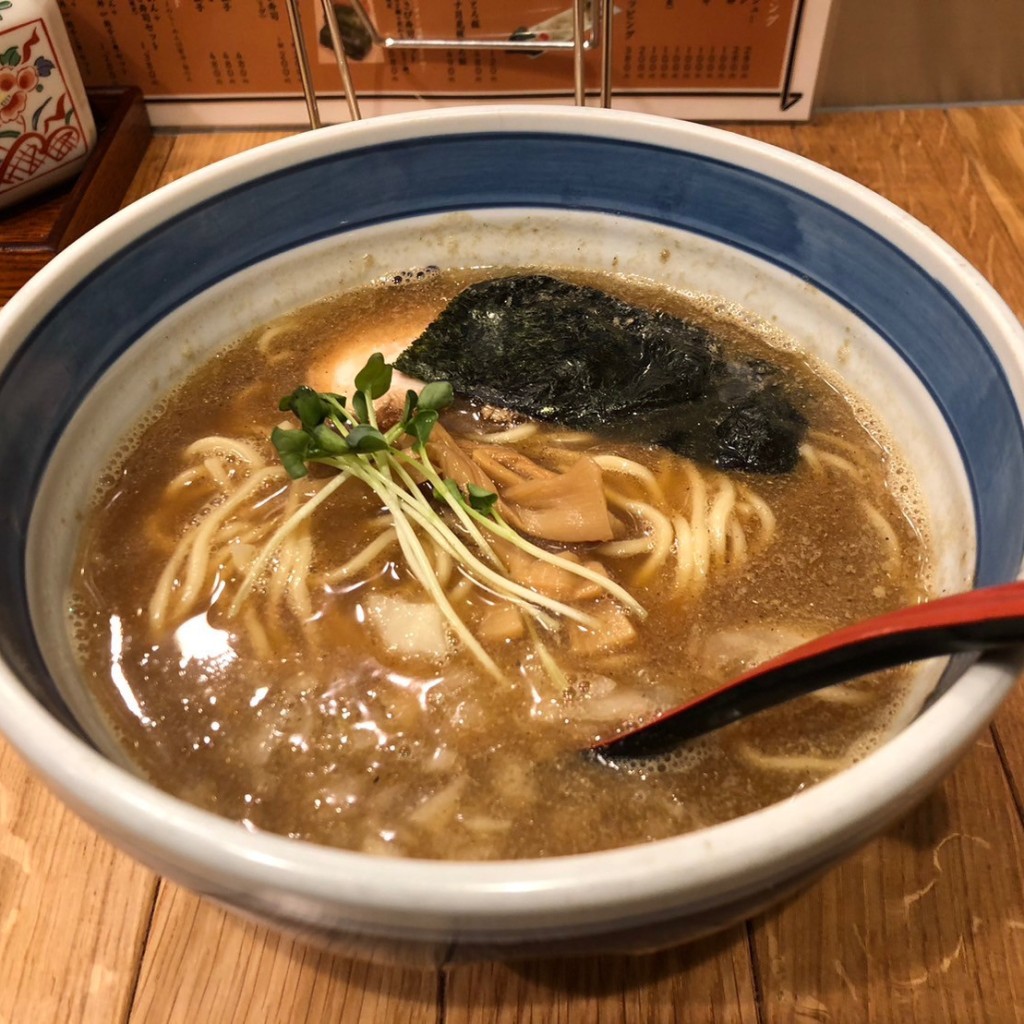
<point x="596" y="35"/>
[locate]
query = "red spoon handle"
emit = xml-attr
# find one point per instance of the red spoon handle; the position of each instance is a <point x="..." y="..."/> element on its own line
<point x="979" y="620"/>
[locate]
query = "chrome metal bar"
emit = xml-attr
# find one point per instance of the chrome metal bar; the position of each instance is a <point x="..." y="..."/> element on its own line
<point x="584" y="39"/>
<point x="579" y="51"/>
<point x="390" y="43"/>
<point x="302" y="58"/>
<point x="393" y="43"/>
<point x="338" y="45"/>
<point x="607" y="14"/>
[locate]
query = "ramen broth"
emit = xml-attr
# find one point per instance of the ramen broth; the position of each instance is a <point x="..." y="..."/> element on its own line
<point x="335" y="705"/>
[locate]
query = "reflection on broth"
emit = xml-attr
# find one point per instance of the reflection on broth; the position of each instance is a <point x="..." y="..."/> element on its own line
<point x="290" y="654"/>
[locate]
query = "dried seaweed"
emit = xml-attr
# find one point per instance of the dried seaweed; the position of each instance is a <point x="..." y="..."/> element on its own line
<point x="579" y="357"/>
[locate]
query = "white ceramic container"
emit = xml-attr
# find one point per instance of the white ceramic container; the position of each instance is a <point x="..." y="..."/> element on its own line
<point x="46" y="126"/>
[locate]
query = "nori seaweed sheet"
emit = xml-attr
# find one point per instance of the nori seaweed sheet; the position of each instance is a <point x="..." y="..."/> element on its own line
<point x="577" y="356"/>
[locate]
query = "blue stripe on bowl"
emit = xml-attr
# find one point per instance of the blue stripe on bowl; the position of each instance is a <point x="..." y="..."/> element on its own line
<point x="92" y="325"/>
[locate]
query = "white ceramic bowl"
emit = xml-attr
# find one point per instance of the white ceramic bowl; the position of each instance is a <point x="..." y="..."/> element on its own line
<point x="131" y="307"/>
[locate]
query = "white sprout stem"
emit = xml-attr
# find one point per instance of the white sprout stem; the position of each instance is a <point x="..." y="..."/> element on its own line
<point x="434" y="478"/>
<point x="371" y="412"/>
<point x="420" y="565"/>
<point x="500" y="528"/>
<point x="547" y="659"/>
<point x="303" y="512"/>
<point x="416" y="558"/>
<point x="503" y="586"/>
<point x="341" y="417"/>
<point x="539" y="616"/>
<point x="428" y="520"/>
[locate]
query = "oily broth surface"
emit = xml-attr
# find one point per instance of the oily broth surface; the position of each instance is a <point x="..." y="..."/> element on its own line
<point x="329" y="739"/>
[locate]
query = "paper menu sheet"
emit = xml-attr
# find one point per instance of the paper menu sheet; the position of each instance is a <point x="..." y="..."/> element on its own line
<point x="689" y="58"/>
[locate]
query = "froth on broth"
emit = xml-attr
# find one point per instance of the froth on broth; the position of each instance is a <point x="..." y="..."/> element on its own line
<point x="334" y="704"/>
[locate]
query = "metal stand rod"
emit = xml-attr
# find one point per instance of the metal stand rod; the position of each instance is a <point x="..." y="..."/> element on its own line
<point x="338" y="45"/>
<point x="396" y="43"/>
<point x="607" y="13"/>
<point x="584" y="39"/>
<point x="302" y="58"/>
<point x="391" y="43"/>
<point x="579" y="53"/>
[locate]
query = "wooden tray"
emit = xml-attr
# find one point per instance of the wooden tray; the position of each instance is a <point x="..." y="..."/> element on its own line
<point x="33" y="232"/>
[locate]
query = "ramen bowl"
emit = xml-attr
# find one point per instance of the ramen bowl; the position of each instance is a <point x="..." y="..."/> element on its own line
<point x="128" y="310"/>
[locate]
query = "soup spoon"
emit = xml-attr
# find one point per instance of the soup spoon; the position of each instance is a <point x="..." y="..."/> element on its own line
<point x="978" y="620"/>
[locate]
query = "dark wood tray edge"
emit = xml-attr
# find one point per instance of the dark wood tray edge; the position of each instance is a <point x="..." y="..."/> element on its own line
<point x="123" y="135"/>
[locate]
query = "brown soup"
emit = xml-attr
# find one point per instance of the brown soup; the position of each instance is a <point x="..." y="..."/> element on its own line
<point x="336" y="704"/>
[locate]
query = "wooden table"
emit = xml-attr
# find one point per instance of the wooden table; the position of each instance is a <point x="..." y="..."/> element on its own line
<point x="924" y="925"/>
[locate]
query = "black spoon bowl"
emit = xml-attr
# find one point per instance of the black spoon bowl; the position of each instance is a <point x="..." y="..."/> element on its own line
<point x="978" y="620"/>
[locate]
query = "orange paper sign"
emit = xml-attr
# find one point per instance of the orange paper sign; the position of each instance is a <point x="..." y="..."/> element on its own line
<point x="192" y="49"/>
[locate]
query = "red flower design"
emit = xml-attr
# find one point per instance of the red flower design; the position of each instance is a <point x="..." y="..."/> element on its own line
<point x="15" y="85"/>
<point x="13" y="106"/>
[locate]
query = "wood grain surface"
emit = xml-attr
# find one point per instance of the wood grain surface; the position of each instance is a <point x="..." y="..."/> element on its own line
<point x="924" y="926"/>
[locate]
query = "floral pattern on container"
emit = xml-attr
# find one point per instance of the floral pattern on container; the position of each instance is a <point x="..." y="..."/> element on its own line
<point x="42" y="138"/>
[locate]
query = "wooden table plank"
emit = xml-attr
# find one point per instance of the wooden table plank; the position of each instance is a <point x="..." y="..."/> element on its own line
<point x="925" y="925"/>
<point x="152" y="171"/>
<point x="202" y="964"/>
<point x="708" y="981"/>
<point x="915" y="159"/>
<point x="1008" y="732"/>
<point x="73" y="911"/>
<point x="994" y="139"/>
<point x="190" y="152"/>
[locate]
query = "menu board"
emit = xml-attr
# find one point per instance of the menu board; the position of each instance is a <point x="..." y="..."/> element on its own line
<point x="691" y="58"/>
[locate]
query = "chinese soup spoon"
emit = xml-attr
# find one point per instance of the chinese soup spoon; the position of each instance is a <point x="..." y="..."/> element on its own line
<point x="978" y="620"/>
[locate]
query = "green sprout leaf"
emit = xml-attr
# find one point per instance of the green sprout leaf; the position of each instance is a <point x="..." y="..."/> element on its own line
<point x="293" y="450"/>
<point x="481" y="499"/>
<point x="330" y="441"/>
<point x="422" y="424"/>
<point x="436" y="396"/>
<point x="411" y="401"/>
<point x="365" y="439"/>
<point x="307" y="405"/>
<point x="360" y="406"/>
<point x="375" y="377"/>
